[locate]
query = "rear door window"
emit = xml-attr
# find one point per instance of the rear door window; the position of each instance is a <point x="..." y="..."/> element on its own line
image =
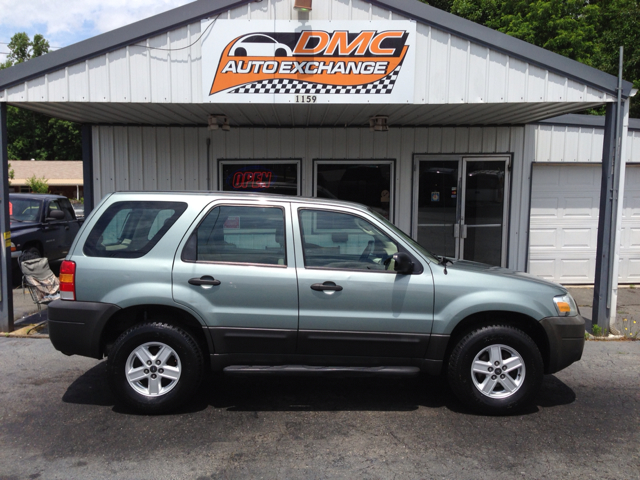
<point x="131" y="229"/>
<point x="239" y="235"/>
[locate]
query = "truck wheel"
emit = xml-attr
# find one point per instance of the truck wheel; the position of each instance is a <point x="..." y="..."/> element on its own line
<point x="154" y="367"/>
<point x="32" y="252"/>
<point x="495" y="370"/>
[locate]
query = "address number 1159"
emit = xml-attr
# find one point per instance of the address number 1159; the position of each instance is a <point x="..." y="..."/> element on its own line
<point x="306" y="98"/>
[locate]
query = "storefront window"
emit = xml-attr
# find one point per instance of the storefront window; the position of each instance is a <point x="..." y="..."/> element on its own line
<point x="366" y="182"/>
<point x="267" y="176"/>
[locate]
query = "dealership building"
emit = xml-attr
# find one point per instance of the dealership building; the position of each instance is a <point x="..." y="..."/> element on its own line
<point x="464" y="137"/>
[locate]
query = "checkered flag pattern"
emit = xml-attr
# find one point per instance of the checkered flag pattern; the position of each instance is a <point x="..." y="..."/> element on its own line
<point x="282" y="85"/>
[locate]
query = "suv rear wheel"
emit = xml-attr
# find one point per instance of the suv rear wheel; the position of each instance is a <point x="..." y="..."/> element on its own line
<point x="154" y="367"/>
<point x="495" y="370"/>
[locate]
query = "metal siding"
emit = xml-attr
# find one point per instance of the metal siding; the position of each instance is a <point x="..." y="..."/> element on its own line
<point x="497" y="77"/>
<point x="121" y="156"/>
<point x="99" y="79"/>
<point x="139" y="71"/>
<point x="58" y="90"/>
<point x="78" y="82"/>
<point x="478" y="64"/>
<point x="180" y="60"/>
<point x="136" y="171"/>
<point x="119" y="76"/>
<point x="149" y="160"/>
<point x="518" y="197"/>
<point x="517" y="84"/>
<point x="421" y="74"/>
<point x="163" y="145"/>
<point x="458" y="73"/>
<point x="556" y="88"/>
<point x="438" y="66"/>
<point x="177" y="160"/>
<point x="159" y="69"/>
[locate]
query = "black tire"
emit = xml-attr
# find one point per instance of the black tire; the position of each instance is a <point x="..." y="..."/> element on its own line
<point x="184" y="356"/>
<point x="281" y="52"/>
<point x="525" y="381"/>
<point x="32" y="252"/>
<point x="240" y="52"/>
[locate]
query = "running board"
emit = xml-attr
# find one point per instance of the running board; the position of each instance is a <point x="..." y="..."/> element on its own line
<point x="238" y="370"/>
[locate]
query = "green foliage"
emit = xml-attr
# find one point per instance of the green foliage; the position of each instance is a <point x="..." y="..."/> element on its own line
<point x="38" y="185"/>
<point x="596" y="330"/>
<point x="589" y="31"/>
<point x="32" y="134"/>
<point x="11" y="174"/>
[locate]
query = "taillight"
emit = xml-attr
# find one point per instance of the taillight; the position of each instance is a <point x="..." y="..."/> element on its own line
<point x="68" y="280"/>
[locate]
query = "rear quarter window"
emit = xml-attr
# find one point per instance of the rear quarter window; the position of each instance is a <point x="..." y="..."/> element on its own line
<point x="131" y="229"/>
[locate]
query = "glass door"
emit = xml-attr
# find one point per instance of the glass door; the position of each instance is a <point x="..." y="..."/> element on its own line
<point x="483" y="211"/>
<point x="437" y="209"/>
<point x="461" y="208"/>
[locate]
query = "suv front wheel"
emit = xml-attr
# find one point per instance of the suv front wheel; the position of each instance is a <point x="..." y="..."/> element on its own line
<point x="495" y="370"/>
<point x="154" y="367"/>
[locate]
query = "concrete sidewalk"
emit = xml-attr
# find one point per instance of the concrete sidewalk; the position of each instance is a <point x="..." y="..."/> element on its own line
<point x="628" y="312"/>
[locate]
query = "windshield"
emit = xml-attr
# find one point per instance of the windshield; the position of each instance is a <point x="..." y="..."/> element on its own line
<point x="405" y="237"/>
<point x="24" y="210"/>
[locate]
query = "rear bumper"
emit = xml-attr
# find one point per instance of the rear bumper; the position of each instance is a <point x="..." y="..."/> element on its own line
<point x="566" y="341"/>
<point x="75" y="328"/>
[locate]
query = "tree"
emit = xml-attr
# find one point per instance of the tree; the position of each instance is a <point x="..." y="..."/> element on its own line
<point x="31" y="134"/>
<point x="11" y="174"/>
<point x="38" y="185"/>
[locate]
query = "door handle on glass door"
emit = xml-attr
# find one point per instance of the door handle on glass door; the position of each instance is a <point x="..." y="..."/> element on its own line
<point x="330" y="286"/>
<point x="205" y="280"/>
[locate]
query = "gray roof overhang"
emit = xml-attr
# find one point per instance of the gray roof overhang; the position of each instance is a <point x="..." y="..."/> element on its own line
<point x="414" y="9"/>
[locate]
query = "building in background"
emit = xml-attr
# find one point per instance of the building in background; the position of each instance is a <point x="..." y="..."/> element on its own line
<point x="63" y="176"/>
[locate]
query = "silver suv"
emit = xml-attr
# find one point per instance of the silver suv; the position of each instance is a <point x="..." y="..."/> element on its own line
<point x="161" y="283"/>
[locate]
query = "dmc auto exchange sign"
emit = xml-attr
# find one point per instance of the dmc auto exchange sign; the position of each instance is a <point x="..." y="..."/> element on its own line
<point x="250" y="61"/>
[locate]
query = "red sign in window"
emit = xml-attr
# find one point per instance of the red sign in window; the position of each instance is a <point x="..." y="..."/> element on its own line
<point x="255" y="180"/>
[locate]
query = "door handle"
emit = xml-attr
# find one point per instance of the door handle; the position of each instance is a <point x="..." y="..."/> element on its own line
<point x="206" y="280"/>
<point x="330" y="286"/>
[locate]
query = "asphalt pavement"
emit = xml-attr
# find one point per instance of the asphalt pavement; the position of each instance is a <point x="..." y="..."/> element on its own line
<point x="57" y="421"/>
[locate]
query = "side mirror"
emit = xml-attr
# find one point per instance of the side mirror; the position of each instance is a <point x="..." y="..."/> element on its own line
<point x="403" y="263"/>
<point x="55" y="215"/>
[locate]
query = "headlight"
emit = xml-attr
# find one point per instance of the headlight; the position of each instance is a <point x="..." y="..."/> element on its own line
<point x="565" y="305"/>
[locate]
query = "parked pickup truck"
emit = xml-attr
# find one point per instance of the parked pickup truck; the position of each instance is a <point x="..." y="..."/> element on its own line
<point x="44" y="225"/>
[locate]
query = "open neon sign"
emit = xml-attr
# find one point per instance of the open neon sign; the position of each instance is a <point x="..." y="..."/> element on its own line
<point x="254" y="180"/>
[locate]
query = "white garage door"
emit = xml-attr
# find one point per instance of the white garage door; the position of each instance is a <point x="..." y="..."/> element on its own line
<point x="564" y="223"/>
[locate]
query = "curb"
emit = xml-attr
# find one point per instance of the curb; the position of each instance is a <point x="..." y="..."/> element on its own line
<point x="26" y="331"/>
<point x="610" y="338"/>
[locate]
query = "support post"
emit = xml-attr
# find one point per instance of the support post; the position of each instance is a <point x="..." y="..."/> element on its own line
<point x="603" y="256"/>
<point x="6" y="281"/>
<point x="87" y="168"/>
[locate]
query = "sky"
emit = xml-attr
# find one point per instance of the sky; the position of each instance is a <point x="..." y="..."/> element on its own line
<point x="65" y="22"/>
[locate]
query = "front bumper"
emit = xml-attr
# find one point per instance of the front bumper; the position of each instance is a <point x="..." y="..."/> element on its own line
<point x="566" y="341"/>
<point x="75" y="328"/>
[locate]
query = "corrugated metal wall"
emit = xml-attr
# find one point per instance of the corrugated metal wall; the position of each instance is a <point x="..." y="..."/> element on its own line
<point x="175" y="158"/>
<point x="561" y="143"/>
<point x="448" y="69"/>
